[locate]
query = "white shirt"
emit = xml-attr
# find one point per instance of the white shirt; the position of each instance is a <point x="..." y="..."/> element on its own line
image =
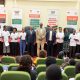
<point x="5" y="35"/>
<point x="50" y="36"/>
<point x="14" y="37"/>
<point x="31" y="32"/>
<point x="41" y="30"/>
<point x="78" y="38"/>
<point x="23" y="36"/>
<point x="60" y="35"/>
<point x="72" y="41"/>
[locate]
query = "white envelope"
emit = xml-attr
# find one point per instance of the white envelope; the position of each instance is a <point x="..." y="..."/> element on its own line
<point x="6" y="43"/>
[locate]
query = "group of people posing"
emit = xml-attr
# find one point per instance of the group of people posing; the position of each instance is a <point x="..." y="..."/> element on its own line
<point x="56" y="40"/>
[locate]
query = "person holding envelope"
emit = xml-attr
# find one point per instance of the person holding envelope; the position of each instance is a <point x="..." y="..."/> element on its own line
<point x="6" y="36"/>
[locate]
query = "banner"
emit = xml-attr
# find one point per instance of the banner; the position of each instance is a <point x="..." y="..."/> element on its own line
<point x="17" y="18"/>
<point x="52" y="17"/>
<point x="34" y="16"/>
<point x="2" y="16"/>
<point x="72" y="18"/>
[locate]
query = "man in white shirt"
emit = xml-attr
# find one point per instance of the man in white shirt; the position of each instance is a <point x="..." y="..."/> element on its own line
<point x="72" y="44"/>
<point x="78" y="42"/>
<point x="22" y="42"/>
<point x="6" y="36"/>
<point x="40" y="38"/>
<point x="59" y="40"/>
<point x="14" y="41"/>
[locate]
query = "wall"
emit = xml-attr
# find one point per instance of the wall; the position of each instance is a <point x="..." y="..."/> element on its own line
<point x="26" y="5"/>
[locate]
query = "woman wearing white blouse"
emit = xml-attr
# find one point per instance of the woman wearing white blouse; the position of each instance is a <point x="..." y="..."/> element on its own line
<point x="14" y="41"/>
<point x="59" y="40"/>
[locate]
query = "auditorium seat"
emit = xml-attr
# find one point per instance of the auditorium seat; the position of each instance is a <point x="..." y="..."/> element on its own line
<point x="70" y="71"/>
<point x="13" y="67"/>
<point x="59" y="61"/>
<point x="77" y="77"/>
<point x="42" y="76"/>
<point x="40" y="68"/>
<point x="41" y="61"/>
<point x="15" y="75"/>
<point x="7" y="60"/>
<point x="64" y="76"/>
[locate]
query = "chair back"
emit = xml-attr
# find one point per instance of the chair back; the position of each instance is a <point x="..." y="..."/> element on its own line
<point x="15" y="75"/>
<point x="59" y="61"/>
<point x="42" y="76"/>
<point x="41" y="61"/>
<point x="8" y="60"/>
<point x="13" y="67"/>
<point x="70" y="71"/>
<point x="77" y="77"/>
<point x="40" y="68"/>
<point x="64" y="76"/>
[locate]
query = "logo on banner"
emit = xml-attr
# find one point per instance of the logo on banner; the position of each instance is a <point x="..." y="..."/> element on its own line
<point x="34" y="16"/>
<point x="53" y="17"/>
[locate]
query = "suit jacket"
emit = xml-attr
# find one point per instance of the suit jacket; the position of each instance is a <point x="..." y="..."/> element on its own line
<point x="40" y="35"/>
<point x="31" y="38"/>
<point x="53" y="36"/>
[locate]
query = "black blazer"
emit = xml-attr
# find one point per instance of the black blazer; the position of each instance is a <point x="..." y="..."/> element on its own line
<point x="53" y="36"/>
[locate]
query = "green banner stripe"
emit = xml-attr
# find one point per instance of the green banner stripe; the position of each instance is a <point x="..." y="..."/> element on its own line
<point x="72" y="22"/>
<point x="16" y="21"/>
<point x="34" y="22"/>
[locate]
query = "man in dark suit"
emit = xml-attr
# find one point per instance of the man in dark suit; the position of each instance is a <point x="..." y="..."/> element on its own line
<point x="31" y="38"/>
<point x="50" y="39"/>
<point x="47" y="28"/>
